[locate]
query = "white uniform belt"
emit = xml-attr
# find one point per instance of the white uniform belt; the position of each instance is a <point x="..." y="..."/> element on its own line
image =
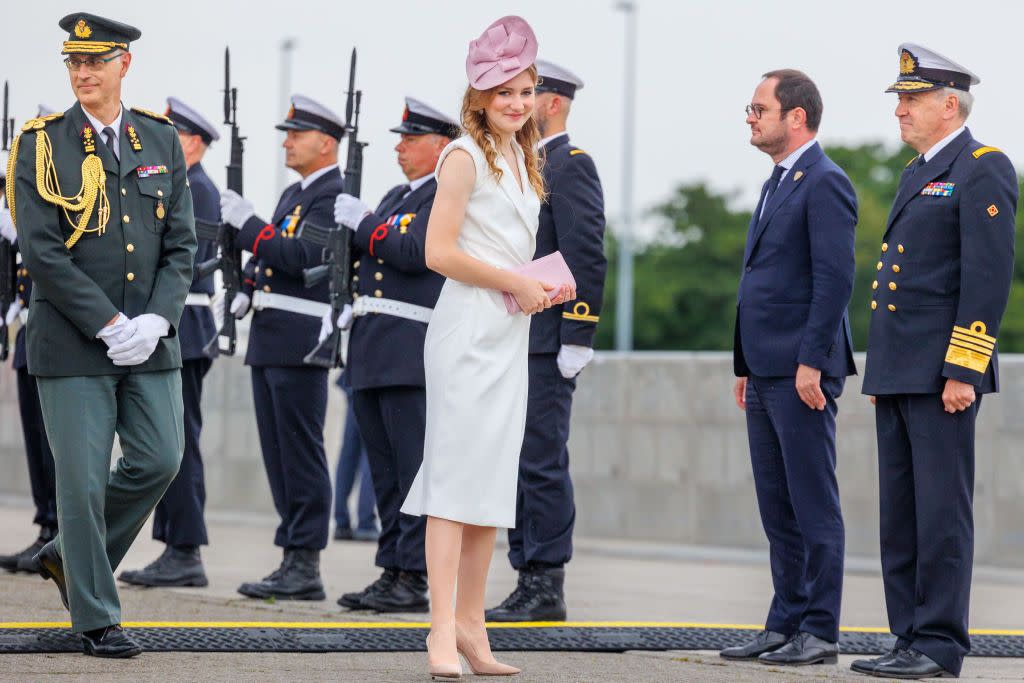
<point x="293" y="304"/>
<point x="197" y="299"/>
<point x="23" y="316"/>
<point x="365" y="305"/>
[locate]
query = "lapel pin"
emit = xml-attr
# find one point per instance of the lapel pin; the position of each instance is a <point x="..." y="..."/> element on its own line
<point x="798" y="175"/>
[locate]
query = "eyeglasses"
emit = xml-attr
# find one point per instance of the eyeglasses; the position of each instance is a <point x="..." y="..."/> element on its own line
<point x="757" y="110"/>
<point x="90" y="63"/>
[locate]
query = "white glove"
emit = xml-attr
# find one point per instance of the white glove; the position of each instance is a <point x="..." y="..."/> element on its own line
<point x="150" y="328"/>
<point x="12" y="312"/>
<point x="572" y="359"/>
<point x="117" y="332"/>
<point x="7" y="230"/>
<point x="240" y="305"/>
<point x="235" y="209"/>
<point x="349" y="211"/>
<point x="344" y="322"/>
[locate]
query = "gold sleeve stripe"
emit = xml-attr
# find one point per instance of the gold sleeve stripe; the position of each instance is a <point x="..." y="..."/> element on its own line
<point x="581" y="312"/>
<point x="977" y="331"/>
<point x="982" y="151"/>
<point x="972" y="347"/>
<point x="966" y="358"/>
<point x="91" y="46"/>
<point x="973" y="340"/>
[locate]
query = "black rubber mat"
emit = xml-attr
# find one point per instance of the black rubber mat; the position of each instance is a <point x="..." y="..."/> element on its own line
<point x="376" y="639"/>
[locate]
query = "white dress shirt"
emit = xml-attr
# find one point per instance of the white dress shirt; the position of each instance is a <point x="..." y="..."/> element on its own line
<point x="308" y="180"/>
<point x="115" y="126"/>
<point x="941" y="144"/>
<point x="788" y="163"/>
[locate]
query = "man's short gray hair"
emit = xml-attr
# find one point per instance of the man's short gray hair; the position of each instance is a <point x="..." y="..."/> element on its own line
<point x="964" y="98"/>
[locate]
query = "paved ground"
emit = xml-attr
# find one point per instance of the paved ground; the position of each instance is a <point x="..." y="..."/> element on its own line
<point x="607" y="582"/>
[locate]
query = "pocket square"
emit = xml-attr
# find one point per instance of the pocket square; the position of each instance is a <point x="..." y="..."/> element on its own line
<point x="551" y="269"/>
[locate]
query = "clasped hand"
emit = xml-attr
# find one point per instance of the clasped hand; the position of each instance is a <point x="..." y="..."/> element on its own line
<point x="132" y="341"/>
<point x="532" y="295"/>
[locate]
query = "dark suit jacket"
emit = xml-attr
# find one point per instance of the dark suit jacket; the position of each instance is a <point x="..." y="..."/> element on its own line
<point x="797" y="277"/>
<point x="385" y="350"/>
<point x="944" y="273"/>
<point x="571" y="221"/>
<point x="197" y="326"/>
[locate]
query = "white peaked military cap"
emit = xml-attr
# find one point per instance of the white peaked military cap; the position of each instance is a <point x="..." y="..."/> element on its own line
<point x="308" y="114"/>
<point x="188" y="120"/>
<point x="923" y="69"/>
<point x="419" y="118"/>
<point x="557" y="79"/>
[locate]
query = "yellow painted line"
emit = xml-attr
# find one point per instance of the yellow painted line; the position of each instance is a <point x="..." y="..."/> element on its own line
<point x="423" y="624"/>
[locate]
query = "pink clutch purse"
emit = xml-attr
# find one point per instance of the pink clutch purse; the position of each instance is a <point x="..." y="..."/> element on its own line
<point x="551" y="269"/>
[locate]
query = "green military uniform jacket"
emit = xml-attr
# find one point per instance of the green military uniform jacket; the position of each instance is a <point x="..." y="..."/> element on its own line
<point x="141" y="263"/>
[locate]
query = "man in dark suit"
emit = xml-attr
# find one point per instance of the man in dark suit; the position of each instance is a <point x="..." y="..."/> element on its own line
<point x="943" y="282"/>
<point x="290" y="396"/>
<point x="395" y="293"/>
<point x="178" y="519"/>
<point x="561" y="345"/>
<point x="792" y="354"/>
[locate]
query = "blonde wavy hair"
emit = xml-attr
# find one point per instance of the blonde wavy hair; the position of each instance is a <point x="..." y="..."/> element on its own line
<point x="474" y="121"/>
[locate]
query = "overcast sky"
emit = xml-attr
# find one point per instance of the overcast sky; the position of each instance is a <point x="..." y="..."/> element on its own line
<point x="698" y="65"/>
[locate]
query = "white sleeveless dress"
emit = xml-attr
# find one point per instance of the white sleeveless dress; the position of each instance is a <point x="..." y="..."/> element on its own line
<point x="475" y="356"/>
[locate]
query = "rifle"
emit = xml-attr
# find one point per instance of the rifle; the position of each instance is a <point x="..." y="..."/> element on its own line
<point x="229" y="256"/>
<point x="8" y="266"/>
<point x="336" y="241"/>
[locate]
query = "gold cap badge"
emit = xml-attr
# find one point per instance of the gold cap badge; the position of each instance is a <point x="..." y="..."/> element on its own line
<point x="82" y="29"/>
<point x="907" y="63"/>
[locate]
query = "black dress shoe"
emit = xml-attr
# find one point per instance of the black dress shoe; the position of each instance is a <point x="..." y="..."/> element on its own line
<point x="111" y="642"/>
<point x="765" y="641"/>
<point x="177" y="566"/>
<point x="407" y="594"/>
<point x="21" y="561"/>
<point x="868" y="666"/>
<point x="541" y="598"/>
<point x="801" y="650"/>
<point x="47" y="564"/>
<point x="300" y="579"/>
<point x="384" y="583"/>
<point x="911" y="664"/>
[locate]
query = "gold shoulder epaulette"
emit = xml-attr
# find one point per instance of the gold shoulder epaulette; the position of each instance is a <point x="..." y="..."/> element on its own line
<point x="574" y="152"/>
<point x="982" y="151"/>
<point x="911" y="161"/>
<point x="153" y="115"/>
<point x="40" y="122"/>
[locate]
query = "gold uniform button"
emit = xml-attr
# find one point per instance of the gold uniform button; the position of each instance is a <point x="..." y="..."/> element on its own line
<point x="21" y="288"/>
<point x="879" y="266"/>
<point x="899" y="248"/>
<point x="356" y="264"/>
<point x="380" y="261"/>
<point x="377" y="293"/>
<point x="874" y="285"/>
<point x="895" y="268"/>
<point x="129" y="247"/>
<point x="159" y="193"/>
<point x="124" y="192"/>
<point x="266" y="288"/>
<point x="885" y="247"/>
<point x="127" y="219"/>
<point x="130" y="276"/>
<point x="892" y="308"/>
<point x="874" y="305"/>
<point x="892" y="286"/>
<point x="355" y="278"/>
<point x="269" y="272"/>
<point x="378" y="276"/>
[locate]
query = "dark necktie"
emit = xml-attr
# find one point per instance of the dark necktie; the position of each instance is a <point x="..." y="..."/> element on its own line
<point x="773" y="184"/>
<point x="108" y="137"/>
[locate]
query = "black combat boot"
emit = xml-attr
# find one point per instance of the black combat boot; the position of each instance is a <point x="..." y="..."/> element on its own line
<point x="177" y="566"/>
<point x="514" y="599"/>
<point x="252" y="589"/>
<point x="384" y="583"/>
<point x="407" y="594"/>
<point x="300" y="579"/>
<point x="111" y="642"/>
<point x="22" y="561"/>
<point x="542" y="598"/>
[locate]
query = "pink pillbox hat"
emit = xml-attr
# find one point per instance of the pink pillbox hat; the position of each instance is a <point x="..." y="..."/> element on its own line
<point x="506" y="49"/>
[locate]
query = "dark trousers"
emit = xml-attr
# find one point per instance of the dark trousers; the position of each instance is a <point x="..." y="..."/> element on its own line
<point x="392" y="421"/>
<point x="545" y="511"/>
<point x="926" y="491"/>
<point x="37" y="451"/>
<point x="291" y="404"/>
<point x="352" y="462"/>
<point x="793" y="454"/>
<point x="178" y="519"/>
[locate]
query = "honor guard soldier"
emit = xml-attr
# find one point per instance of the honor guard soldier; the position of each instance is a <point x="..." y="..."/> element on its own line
<point x="178" y="520"/>
<point x="37" y="447"/>
<point x="943" y="282"/>
<point x="394" y="294"/>
<point x="291" y="397"/>
<point x="561" y="344"/>
<point x="104" y="218"/>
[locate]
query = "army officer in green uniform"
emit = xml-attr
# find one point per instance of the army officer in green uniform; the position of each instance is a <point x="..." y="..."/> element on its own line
<point x="105" y="225"/>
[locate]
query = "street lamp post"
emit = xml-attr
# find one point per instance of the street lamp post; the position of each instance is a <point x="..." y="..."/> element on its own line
<point x="624" y="292"/>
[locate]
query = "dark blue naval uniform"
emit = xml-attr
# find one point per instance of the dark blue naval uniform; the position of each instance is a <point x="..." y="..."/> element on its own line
<point x="37" y="447"/>
<point x="943" y="283"/>
<point x="291" y="397"/>
<point x="178" y="518"/>
<point x="385" y="363"/>
<point x="571" y="221"/>
<point x="791" y="310"/>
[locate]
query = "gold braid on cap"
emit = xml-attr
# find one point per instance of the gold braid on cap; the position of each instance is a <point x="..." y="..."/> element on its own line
<point x="92" y="191"/>
<point x="90" y="46"/>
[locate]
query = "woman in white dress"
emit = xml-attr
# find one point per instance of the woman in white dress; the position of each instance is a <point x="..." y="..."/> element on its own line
<point x="483" y="224"/>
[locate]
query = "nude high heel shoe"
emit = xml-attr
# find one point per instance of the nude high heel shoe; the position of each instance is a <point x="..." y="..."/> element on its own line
<point x="442" y="672"/>
<point x="478" y="665"/>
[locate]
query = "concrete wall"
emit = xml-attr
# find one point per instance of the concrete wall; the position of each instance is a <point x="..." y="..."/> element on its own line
<point x="658" y="452"/>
